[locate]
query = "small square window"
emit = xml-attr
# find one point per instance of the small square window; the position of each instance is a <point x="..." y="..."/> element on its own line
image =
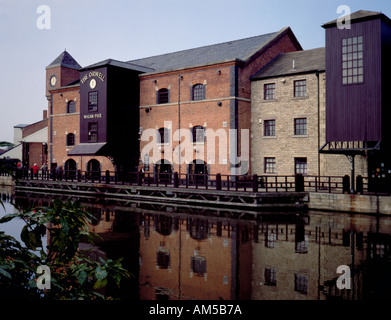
<point x="270" y="277"/>
<point x="270" y="128"/>
<point x="269" y="91"/>
<point x="300" y="88"/>
<point x="300" y="165"/>
<point x="270" y="165"/>
<point x="300" y="126"/>
<point x="301" y="283"/>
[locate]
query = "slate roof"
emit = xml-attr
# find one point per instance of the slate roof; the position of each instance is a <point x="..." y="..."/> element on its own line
<point x="304" y="62"/>
<point x="242" y="49"/>
<point x="360" y="15"/>
<point x="116" y="63"/>
<point x="64" y="60"/>
<point x="87" y="149"/>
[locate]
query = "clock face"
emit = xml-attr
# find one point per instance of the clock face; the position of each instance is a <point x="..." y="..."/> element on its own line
<point x="53" y="81"/>
<point x="92" y="83"/>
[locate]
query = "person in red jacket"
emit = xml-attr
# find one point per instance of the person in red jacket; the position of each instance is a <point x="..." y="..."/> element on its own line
<point x="35" y="169"/>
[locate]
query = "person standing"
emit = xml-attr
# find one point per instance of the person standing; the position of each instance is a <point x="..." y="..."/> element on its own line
<point x="35" y="170"/>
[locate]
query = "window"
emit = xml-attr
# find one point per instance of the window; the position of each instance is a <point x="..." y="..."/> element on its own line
<point x="163" y="136"/>
<point x="270" y="277"/>
<point x="270" y="128"/>
<point x="163" y="258"/>
<point x="146" y="162"/>
<point x="70" y="139"/>
<point x="352" y="60"/>
<point x="198" y="92"/>
<point x="300" y="126"/>
<point x="302" y="246"/>
<point x="269" y="91"/>
<point x="300" y="165"/>
<point x="198" y="265"/>
<point x="198" y="134"/>
<point x="270" y="239"/>
<point x="92" y="132"/>
<point x="163" y="96"/>
<point x="300" y="88"/>
<point x="301" y="283"/>
<point x="92" y="101"/>
<point x="71" y="107"/>
<point x="270" y="165"/>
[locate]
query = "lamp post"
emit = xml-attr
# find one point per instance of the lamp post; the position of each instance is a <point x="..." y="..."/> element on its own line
<point x="179" y="124"/>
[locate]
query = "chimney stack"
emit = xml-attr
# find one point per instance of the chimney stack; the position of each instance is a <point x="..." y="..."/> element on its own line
<point x="45" y="114"/>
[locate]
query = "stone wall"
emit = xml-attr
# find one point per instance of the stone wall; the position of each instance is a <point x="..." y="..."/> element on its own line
<point x="285" y="146"/>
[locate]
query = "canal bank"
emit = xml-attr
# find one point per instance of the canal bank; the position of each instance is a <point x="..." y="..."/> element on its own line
<point x="354" y="203"/>
<point x="256" y="201"/>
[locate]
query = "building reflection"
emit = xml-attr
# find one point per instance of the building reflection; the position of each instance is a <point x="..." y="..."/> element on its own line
<point x="184" y="253"/>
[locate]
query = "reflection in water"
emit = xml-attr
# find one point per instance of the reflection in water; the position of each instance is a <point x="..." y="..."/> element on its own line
<point x="199" y="253"/>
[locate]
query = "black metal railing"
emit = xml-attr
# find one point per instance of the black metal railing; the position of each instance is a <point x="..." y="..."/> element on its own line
<point x="253" y="183"/>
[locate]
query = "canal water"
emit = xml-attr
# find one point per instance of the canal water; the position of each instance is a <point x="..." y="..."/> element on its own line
<point x="184" y="253"/>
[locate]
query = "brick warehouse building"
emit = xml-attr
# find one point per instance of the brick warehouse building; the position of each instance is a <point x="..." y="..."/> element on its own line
<point x="204" y="90"/>
<point x="98" y="114"/>
<point x="116" y="115"/>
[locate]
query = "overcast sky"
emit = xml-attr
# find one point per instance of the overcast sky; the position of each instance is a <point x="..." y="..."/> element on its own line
<point x="94" y="30"/>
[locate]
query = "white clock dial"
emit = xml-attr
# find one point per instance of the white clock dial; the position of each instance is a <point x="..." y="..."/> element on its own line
<point x="92" y="83"/>
<point x="53" y="81"/>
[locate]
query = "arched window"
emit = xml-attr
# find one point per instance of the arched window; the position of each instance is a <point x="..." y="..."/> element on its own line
<point x="198" y="92"/>
<point x="71" y="106"/>
<point x="163" y="96"/>
<point x="70" y="139"/>
<point x="198" y="134"/>
<point x="163" y="135"/>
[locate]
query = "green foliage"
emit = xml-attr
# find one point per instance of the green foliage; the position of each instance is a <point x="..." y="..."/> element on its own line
<point x="74" y="275"/>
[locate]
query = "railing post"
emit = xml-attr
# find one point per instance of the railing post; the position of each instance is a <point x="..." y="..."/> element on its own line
<point x="176" y="180"/>
<point x="266" y="183"/>
<point x="206" y="181"/>
<point x="359" y="184"/>
<point x="107" y="177"/>
<point x="299" y="183"/>
<point x="218" y="181"/>
<point x="78" y="175"/>
<point x="31" y="174"/>
<point x="138" y="178"/>
<point x="346" y="184"/>
<point x="255" y="183"/>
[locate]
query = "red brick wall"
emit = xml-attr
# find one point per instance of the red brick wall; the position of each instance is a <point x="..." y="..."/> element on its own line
<point x="36" y="154"/>
<point x="192" y="112"/>
<point x="206" y="111"/>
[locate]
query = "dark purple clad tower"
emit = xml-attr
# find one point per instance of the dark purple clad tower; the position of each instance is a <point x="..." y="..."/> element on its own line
<point x="358" y="71"/>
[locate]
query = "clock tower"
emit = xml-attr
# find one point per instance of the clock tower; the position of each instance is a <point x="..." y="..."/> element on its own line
<point x="61" y="72"/>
